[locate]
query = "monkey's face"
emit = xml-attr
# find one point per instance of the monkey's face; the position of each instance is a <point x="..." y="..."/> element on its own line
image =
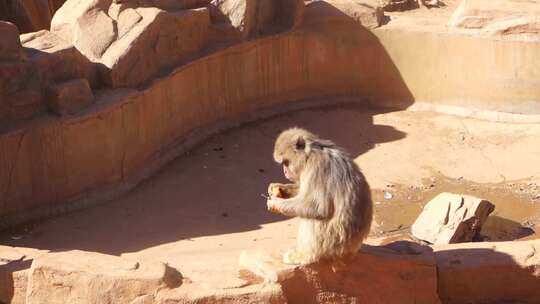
<point x="290" y="152"/>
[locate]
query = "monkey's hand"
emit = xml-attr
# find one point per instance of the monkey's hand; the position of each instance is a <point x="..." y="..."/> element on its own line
<point x="273" y="205"/>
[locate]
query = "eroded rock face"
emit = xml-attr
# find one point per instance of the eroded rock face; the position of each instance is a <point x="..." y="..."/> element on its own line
<point x="21" y="93"/>
<point x="84" y="277"/>
<point x="451" y="218"/>
<point x="10" y="44"/>
<point x="510" y="17"/>
<point x="406" y="270"/>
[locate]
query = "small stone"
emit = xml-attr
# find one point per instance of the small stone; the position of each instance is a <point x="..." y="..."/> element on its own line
<point x="225" y="214"/>
<point x="451" y="218"/>
<point x="460" y="177"/>
<point x="388" y="195"/>
<point x="261" y="170"/>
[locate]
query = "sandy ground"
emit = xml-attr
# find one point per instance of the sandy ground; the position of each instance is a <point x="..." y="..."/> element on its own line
<point x="202" y="209"/>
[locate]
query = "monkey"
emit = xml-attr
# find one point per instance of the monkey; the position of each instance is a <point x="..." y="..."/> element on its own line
<point x="332" y="197"/>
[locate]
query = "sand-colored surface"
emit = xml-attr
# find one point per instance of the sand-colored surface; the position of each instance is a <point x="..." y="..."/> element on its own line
<point x="204" y="208"/>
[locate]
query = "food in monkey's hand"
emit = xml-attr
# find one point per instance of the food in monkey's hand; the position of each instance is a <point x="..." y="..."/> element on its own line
<point x="278" y="192"/>
<point x="282" y="191"/>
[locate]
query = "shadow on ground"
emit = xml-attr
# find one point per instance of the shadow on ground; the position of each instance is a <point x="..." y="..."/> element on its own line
<point x="216" y="188"/>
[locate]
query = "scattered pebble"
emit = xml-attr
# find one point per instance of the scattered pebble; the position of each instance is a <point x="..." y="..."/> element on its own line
<point x="218" y="149"/>
<point x="388" y="195"/>
<point x="537" y="197"/>
<point x="16" y="237"/>
<point x="460" y="177"/>
<point x="261" y="170"/>
<point x="224" y="214"/>
<point x="378" y="203"/>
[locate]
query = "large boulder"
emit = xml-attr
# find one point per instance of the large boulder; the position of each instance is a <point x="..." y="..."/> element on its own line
<point x="133" y="40"/>
<point x="159" y="40"/>
<point x="501" y="272"/>
<point x="85" y="277"/>
<point x="406" y="270"/>
<point x="57" y="59"/>
<point x="249" y="18"/>
<point x="69" y="97"/>
<point x="10" y="43"/>
<point x="510" y="17"/>
<point x="21" y="94"/>
<point x="451" y="218"/>
<point x="14" y="266"/>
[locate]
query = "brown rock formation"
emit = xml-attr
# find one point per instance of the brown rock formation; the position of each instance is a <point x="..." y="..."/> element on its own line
<point x="451" y="218"/>
<point x="251" y="18"/>
<point x="69" y="97"/>
<point x="407" y="272"/>
<point x="29" y="15"/>
<point x="505" y="272"/>
<point x="20" y="81"/>
<point x="133" y="43"/>
<point x="84" y="277"/>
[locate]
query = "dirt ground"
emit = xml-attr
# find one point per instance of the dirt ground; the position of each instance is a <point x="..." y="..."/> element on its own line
<point x="202" y="209"/>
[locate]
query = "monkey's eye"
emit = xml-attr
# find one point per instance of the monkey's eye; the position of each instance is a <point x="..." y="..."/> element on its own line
<point x="285" y="162"/>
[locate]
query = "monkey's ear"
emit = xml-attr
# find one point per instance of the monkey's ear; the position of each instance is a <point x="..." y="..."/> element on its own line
<point x="300" y="143"/>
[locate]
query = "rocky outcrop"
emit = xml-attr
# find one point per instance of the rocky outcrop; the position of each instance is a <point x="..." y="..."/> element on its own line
<point x="133" y="43"/>
<point x="497" y="18"/>
<point x="451" y="218"/>
<point x="248" y="19"/>
<point x="407" y="272"/>
<point x="84" y="277"/>
<point x="505" y="272"/>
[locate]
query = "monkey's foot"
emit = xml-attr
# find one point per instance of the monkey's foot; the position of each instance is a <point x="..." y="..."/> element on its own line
<point x="293" y="257"/>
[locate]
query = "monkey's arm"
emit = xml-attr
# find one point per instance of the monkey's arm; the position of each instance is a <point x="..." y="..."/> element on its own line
<point x="304" y="207"/>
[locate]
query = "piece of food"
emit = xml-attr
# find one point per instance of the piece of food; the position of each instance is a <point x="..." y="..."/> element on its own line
<point x="278" y="192"/>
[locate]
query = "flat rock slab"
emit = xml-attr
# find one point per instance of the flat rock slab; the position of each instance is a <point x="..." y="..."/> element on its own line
<point x="497" y="17"/>
<point x="406" y="270"/>
<point x="86" y="277"/>
<point x="501" y="272"/>
<point x="451" y="218"/>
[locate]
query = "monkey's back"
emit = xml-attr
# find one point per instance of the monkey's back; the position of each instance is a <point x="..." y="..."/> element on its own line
<point x="344" y="187"/>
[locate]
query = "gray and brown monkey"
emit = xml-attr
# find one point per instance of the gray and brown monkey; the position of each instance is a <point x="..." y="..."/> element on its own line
<point x="329" y="194"/>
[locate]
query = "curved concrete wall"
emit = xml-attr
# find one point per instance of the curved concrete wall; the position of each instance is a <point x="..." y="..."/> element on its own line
<point x="52" y="163"/>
